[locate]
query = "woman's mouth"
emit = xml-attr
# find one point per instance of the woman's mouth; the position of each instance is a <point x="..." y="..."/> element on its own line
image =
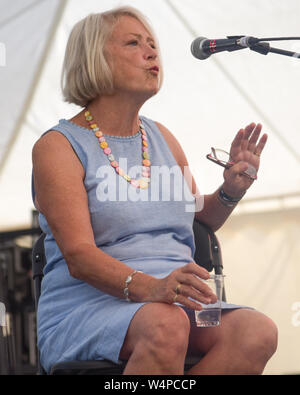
<point x="154" y="69"/>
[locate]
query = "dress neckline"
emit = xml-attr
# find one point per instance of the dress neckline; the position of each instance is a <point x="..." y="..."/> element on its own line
<point x="120" y="138"/>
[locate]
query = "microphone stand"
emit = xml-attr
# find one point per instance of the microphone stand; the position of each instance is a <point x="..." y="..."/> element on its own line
<point x="259" y="45"/>
<point x="265" y="48"/>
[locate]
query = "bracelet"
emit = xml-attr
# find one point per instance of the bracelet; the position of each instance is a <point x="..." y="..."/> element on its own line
<point x="127" y="282"/>
<point x="227" y="200"/>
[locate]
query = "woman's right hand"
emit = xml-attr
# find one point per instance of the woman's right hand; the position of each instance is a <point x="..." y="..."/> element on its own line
<point x="186" y="283"/>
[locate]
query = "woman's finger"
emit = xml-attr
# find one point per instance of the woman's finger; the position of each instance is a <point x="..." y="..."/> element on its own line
<point x="193" y="268"/>
<point x="254" y="137"/>
<point x="248" y="131"/>
<point x="187" y="302"/>
<point x="239" y="168"/>
<point x="261" y="145"/>
<point x="191" y="292"/>
<point x="237" y="140"/>
<point x="190" y="281"/>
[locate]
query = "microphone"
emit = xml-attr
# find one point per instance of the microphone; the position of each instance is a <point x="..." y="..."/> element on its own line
<point x="202" y="47"/>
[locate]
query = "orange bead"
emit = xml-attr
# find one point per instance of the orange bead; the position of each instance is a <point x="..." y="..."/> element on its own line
<point x="104" y="145"/>
<point x="145" y="144"/>
<point x="146" y="163"/>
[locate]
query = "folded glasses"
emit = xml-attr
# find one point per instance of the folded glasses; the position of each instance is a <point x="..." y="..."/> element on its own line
<point x="222" y="158"/>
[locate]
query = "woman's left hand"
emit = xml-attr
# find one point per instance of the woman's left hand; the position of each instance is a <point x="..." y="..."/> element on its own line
<point x="245" y="153"/>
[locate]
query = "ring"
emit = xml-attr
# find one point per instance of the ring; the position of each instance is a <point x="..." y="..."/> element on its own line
<point x="174" y="299"/>
<point x="177" y="289"/>
<point x="256" y="154"/>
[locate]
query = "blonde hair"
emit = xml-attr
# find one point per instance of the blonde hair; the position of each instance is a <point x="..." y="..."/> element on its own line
<point x="86" y="74"/>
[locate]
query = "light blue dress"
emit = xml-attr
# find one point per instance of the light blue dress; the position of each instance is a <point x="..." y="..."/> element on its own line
<point x="149" y="230"/>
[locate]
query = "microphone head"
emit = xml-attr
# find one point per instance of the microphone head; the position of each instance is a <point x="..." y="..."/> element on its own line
<point x="197" y="50"/>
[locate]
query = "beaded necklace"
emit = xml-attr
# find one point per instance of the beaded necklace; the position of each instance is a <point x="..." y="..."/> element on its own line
<point x="143" y="182"/>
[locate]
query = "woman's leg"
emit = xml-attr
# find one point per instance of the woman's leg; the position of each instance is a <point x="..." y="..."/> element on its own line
<point x="157" y="340"/>
<point x="160" y="335"/>
<point x="242" y="344"/>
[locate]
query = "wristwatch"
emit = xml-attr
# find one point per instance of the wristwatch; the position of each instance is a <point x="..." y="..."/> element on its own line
<point x="227" y="200"/>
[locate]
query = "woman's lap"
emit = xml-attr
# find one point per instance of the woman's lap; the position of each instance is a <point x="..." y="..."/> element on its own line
<point x="151" y="315"/>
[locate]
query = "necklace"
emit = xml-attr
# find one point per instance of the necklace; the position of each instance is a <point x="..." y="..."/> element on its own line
<point x="143" y="182"/>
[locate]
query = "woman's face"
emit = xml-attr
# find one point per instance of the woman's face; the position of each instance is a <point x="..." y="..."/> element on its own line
<point x="133" y="58"/>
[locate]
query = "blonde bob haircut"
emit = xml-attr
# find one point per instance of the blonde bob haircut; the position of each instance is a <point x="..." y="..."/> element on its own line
<point x="86" y="74"/>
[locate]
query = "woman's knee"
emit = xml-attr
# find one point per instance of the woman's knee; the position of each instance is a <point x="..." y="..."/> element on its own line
<point x="265" y="337"/>
<point x="165" y="331"/>
<point x="169" y="329"/>
<point x="157" y="328"/>
<point x="255" y="335"/>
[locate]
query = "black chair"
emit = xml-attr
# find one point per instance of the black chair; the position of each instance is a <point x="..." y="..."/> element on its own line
<point x="207" y="254"/>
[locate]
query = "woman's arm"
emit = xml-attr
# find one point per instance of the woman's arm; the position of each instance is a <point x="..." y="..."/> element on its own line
<point x="208" y="208"/>
<point x="244" y="150"/>
<point x="214" y="213"/>
<point x="62" y="198"/>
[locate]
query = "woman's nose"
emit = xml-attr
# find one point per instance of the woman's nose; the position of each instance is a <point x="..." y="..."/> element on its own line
<point x="150" y="53"/>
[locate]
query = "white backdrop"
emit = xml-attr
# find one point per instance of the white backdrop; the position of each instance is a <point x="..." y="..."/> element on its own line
<point x="261" y="255"/>
<point x="204" y="103"/>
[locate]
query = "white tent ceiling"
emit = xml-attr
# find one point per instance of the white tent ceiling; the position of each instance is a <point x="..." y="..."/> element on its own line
<point x="204" y="103"/>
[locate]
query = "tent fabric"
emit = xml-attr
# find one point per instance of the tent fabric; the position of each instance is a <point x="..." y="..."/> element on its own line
<point x="24" y="28"/>
<point x="261" y="254"/>
<point x="203" y="103"/>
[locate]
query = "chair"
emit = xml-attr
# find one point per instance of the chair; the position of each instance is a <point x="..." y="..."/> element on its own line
<point x="207" y="254"/>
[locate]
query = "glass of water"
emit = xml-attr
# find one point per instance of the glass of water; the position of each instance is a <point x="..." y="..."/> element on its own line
<point x="210" y="315"/>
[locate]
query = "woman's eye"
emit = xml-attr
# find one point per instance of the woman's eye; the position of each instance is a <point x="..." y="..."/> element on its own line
<point x="133" y="42"/>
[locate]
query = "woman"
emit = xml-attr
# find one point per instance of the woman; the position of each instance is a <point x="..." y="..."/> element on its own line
<point x="112" y="235"/>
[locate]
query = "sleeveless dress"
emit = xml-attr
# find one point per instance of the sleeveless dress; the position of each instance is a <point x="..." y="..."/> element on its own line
<point x="149" y="230"/>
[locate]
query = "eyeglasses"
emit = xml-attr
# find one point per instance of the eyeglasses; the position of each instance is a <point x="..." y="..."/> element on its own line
<point x="223" y="159"/>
